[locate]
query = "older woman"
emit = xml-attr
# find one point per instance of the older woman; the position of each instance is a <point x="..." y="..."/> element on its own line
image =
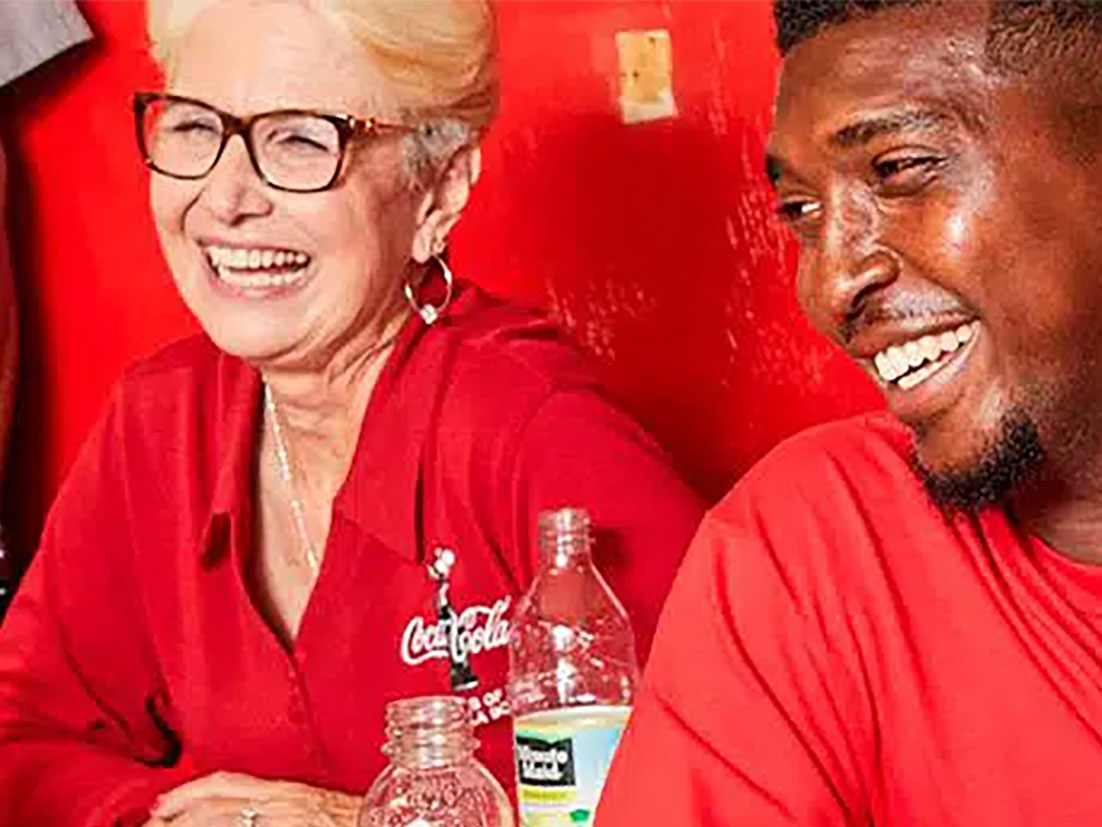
<point x="329" y="500"/>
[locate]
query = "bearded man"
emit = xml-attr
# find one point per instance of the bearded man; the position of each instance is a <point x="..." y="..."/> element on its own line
<point x="897" y="619"/>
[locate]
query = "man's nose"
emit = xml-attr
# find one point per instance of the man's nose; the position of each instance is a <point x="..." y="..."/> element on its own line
<point x="850" y="266"/>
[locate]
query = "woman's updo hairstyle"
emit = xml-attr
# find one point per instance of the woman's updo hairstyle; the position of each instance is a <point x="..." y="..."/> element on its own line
<point x="439" y="57"/>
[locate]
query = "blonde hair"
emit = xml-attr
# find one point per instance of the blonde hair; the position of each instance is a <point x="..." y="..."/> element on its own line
<point x="438" y="56"/>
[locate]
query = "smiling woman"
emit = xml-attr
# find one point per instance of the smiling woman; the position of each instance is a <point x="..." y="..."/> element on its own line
<point x="217" y="611"/>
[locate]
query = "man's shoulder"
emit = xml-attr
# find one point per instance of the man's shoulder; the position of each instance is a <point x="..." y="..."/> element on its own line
<point x="856" y="471"/>
<point x="835" y="510"/>
<point x="871" y="443"/>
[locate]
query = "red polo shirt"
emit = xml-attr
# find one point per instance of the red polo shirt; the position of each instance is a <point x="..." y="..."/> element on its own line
<point x="837" y="652"/>
<point x="133" y="658"/>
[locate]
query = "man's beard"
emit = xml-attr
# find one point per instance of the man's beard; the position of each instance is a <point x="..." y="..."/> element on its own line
<point x="1011" y="458"/>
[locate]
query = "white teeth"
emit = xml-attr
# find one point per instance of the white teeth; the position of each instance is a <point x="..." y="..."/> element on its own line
<point x="916" y="360"/>
<point x="911" y="379"/>
<point x="257" y="280"/>
<point x="898" y="360"/>
<point x="254" y="260"/>
<point x="883" y="363"/>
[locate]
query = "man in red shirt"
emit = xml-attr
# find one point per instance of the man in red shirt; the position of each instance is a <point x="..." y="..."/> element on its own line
<point x="895" y="620"/>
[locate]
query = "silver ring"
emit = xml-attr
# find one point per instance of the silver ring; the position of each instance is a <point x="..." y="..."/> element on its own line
<point x="249" y="817"/>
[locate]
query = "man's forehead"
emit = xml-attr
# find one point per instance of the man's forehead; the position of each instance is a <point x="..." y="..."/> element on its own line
<point x="891" y="59"/>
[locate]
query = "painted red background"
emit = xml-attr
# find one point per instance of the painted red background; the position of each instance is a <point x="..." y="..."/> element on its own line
<point x="654" y="242"/>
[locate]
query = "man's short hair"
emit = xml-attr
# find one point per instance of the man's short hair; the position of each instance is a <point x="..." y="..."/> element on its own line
<point x="1021" y="34"/>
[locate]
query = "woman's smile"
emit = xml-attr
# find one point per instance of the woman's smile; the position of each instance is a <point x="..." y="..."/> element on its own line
<point x="257" y="272"/>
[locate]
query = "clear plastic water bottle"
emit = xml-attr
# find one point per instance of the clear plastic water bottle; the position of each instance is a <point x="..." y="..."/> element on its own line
<point x="433" y="779"/>
<point x="572" y="678"/>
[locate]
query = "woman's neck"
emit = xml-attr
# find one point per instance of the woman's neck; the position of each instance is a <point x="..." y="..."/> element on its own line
<point x="321" y="411"/>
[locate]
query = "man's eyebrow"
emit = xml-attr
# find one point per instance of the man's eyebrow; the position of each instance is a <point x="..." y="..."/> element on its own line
<point x="865" y="129"/>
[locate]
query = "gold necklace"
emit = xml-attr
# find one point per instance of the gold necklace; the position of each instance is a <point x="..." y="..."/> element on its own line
<point x="283" y="466"/>
<point x="283" y="459"/>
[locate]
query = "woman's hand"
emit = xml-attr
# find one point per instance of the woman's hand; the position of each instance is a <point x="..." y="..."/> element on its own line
<point x="224" y="799"/>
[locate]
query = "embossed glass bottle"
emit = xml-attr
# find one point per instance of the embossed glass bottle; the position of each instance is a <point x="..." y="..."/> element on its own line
<point x="433" y="779"/>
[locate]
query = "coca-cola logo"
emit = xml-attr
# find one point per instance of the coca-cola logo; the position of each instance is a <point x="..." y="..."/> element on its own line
<point x="476" y="629"/>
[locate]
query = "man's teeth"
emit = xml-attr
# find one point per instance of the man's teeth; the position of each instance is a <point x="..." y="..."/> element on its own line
<point x="913" y="361"/>
<point x="244" y="267"/>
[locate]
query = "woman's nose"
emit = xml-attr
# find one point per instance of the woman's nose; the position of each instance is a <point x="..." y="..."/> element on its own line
<point x="233" y="190"/>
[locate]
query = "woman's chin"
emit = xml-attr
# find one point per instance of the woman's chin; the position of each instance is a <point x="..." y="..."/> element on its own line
<point x="253" y="344"/>
<point x="249" y="330"/>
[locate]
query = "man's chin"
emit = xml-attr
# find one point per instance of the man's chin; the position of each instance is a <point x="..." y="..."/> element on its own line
<point x="1009" y="458"/>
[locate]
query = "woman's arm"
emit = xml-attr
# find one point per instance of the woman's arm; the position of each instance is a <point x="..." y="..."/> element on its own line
<point x="85" y="732"/>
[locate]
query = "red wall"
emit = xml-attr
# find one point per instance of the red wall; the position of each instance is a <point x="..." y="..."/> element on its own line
<point x="654" y="242"/>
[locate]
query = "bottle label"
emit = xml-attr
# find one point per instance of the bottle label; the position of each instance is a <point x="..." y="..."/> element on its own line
<point x="545" y="764"/>
<point x="562" y="758"/>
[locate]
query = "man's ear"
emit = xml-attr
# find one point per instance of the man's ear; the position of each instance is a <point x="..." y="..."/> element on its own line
<point x="443" y="203"/>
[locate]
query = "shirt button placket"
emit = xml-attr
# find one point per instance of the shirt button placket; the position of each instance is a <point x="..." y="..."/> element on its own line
<point x="297" y="713"/>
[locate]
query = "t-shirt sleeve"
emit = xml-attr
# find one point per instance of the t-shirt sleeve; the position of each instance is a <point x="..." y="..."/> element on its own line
<point x="34" y="31"/>
<point x="748" y="714"/>
<point x="85" y="725"/>
<point x="579" y="450"/>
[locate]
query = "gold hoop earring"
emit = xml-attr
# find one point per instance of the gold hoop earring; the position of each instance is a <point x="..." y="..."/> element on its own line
<point x="430" y="313"/>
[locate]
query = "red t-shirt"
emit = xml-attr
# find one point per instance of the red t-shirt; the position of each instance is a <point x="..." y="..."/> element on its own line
<point x="132" y="657"/>
<point x="837" y="652"/>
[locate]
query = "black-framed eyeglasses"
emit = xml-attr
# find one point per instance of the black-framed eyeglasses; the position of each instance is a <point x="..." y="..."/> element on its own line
<point x="296" y="150"/>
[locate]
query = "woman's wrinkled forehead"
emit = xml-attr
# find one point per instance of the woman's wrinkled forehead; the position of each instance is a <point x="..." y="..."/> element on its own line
<point x="435" y="58"/>
<point x="247" y="56"/>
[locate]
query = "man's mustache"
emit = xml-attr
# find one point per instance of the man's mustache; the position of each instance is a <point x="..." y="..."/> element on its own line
<point x="898" y="311"/>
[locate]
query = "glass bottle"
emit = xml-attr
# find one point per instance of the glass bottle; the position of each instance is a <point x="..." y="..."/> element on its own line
<point x="572" y="678"/>
<point x="433" y="779"/>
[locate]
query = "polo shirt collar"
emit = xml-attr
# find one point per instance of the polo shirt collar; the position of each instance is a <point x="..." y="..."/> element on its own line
<point x="380" y="494"/>
<point x="233" y="419"/>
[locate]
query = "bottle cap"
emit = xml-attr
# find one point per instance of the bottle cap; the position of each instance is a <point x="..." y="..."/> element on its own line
<point x="564" y="521"/>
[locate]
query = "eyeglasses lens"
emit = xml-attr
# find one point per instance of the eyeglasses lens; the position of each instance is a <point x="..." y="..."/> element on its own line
<point x="298" y="152"/>
<point x="293" y="151"/>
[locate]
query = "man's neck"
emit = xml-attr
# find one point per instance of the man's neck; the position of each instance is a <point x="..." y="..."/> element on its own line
<point x="1067" y="518"/>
